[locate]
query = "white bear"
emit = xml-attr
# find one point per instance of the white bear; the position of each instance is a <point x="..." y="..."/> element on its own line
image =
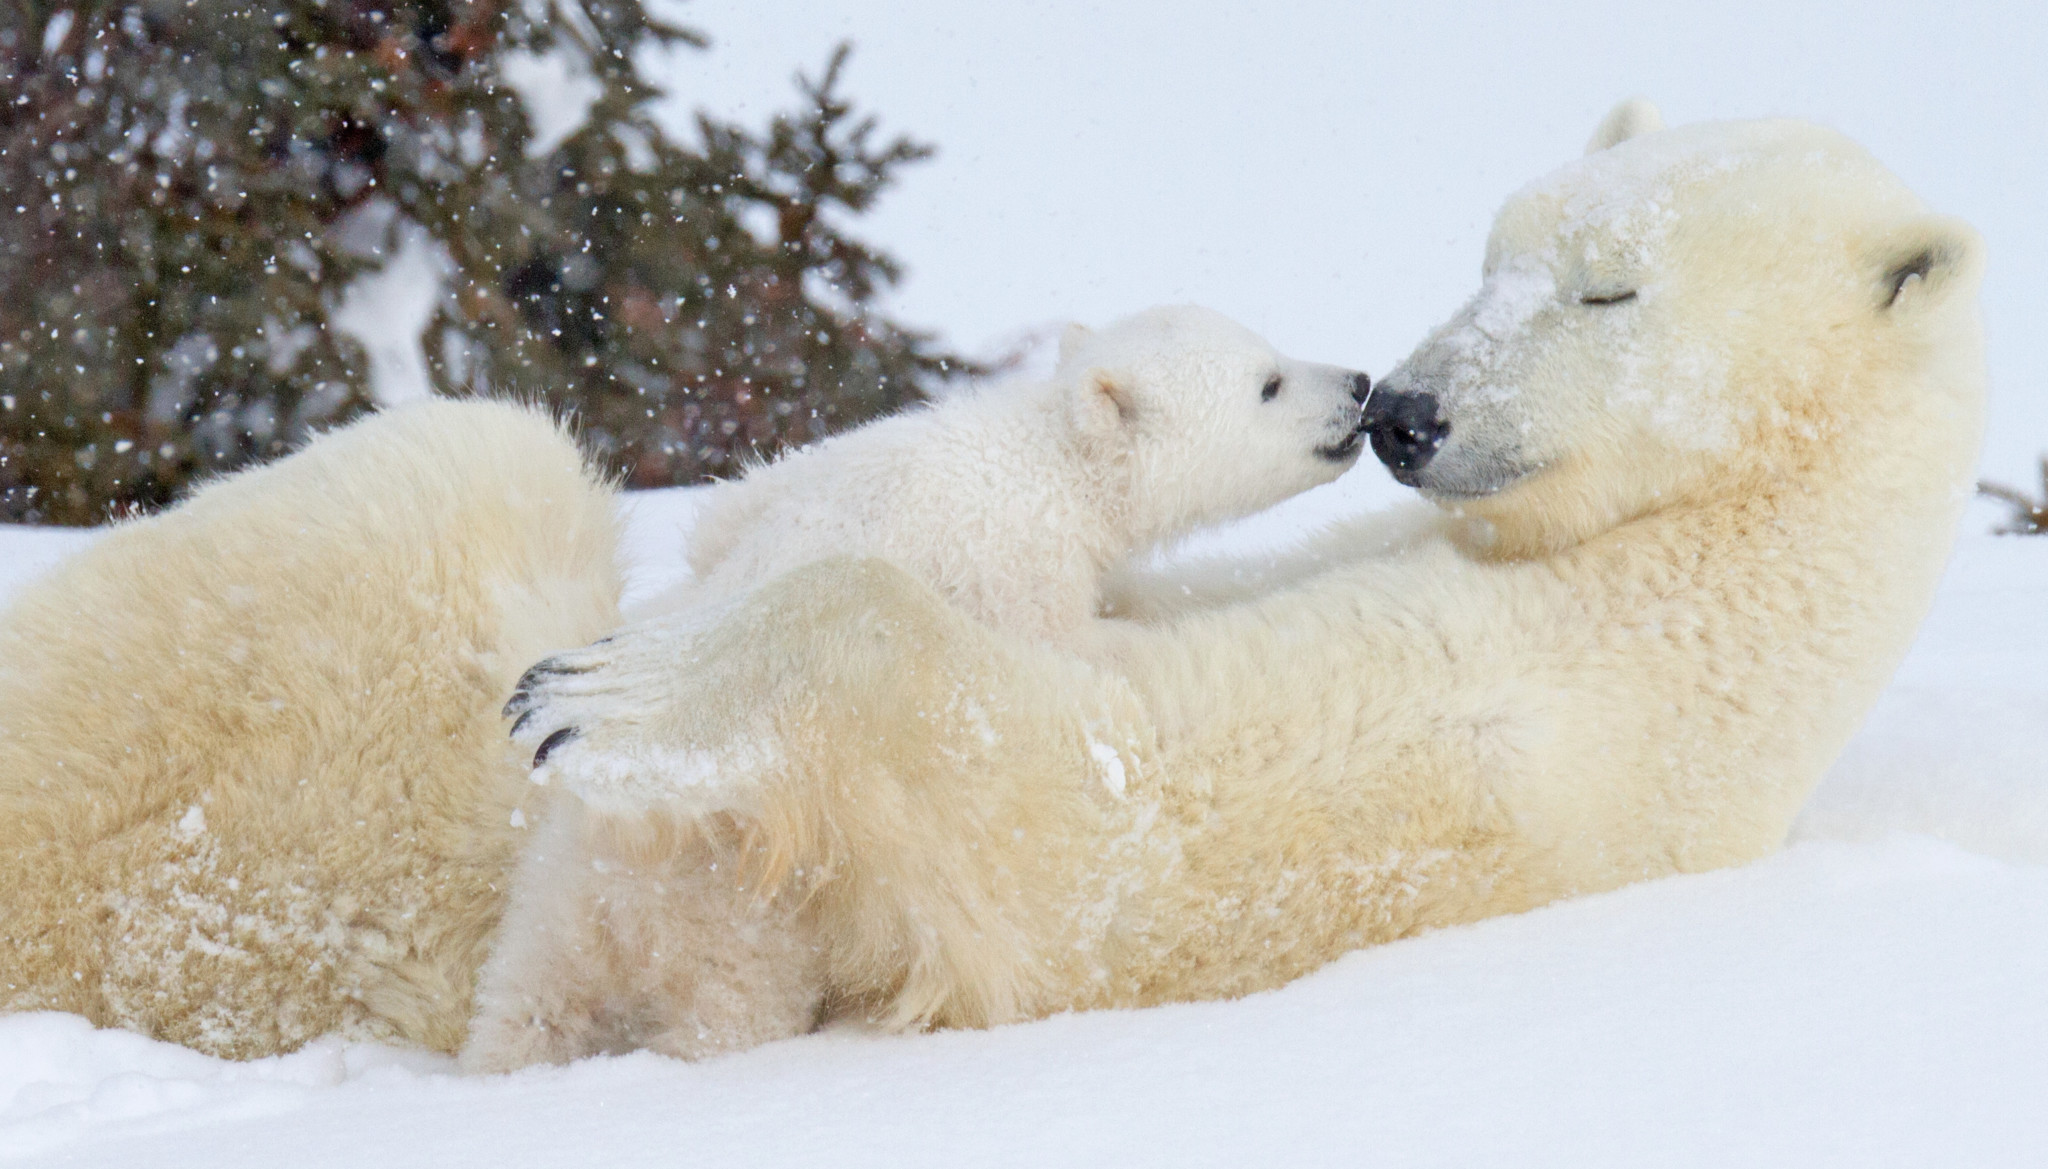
<point x="1012" y="502"/>
<point x="1683" y="539"/>
<point x="1699" y="444"/>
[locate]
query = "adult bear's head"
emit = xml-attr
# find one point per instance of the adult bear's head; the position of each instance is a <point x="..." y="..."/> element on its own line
<point x="1668" y="317"/>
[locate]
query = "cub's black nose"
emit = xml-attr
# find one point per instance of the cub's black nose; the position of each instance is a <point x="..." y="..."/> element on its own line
<point x="1361" y="388"/>
<point x="1404" y="429"/>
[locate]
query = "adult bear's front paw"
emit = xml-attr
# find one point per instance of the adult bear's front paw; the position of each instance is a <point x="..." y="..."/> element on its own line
<point x="535" y="697"/>
<point x="643" y="719"/>
<point x="553" y="693"/>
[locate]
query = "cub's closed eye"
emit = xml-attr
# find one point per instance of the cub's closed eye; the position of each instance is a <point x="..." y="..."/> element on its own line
<point x="1272" y="389"/>
<point x="1607" y="297"/>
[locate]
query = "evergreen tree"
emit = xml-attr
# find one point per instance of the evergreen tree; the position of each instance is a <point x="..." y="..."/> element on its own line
<point x="191" y="185"/>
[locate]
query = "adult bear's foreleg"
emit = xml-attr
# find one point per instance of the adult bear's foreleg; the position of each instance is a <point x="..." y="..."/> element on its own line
<point x="968" y="817"/>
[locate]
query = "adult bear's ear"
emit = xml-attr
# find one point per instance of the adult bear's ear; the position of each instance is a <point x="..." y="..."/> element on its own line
<point x="1623" y="122"/>
<point x="1102" y="408"/>
<point x="1925" y="261"/>
<point x="1071" y="339"/>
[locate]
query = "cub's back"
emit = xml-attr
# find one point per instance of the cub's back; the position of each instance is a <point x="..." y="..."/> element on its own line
<point x="970" y="495"/>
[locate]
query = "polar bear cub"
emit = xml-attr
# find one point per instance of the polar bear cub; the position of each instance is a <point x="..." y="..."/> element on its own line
<point x="633" y="931"/>
<point x="1014" y="500"/>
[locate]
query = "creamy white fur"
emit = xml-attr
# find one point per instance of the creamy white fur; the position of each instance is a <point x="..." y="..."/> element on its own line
<point x="1633" y="659"/>
<point x="254" y="786"/>
<point x="1011" y="502"/>
<point x="1684" y="539"/>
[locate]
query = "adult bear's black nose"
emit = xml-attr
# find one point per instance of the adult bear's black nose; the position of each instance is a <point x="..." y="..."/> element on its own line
<point x="1361" y="388"/>
<point x="1404" y="429"/>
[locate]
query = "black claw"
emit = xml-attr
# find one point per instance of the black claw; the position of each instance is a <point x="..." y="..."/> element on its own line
<point x="524" y="718"/>
<point x="536" y="675"/>
<point x="553" y="741"/>
<point x="532" y="676"/>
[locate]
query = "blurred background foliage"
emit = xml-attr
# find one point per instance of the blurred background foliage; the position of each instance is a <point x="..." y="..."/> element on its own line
<point x="192" y="186"/>
<point x="2027" y="516"/>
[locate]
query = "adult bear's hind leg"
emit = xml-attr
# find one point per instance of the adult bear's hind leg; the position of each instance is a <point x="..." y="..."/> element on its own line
<point x="253" y="783"/>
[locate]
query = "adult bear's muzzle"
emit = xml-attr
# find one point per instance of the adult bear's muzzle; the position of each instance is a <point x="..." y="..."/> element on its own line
<point x="1405" y="428"/>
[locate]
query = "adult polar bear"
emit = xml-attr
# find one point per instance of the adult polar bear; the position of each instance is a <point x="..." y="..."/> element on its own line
<point x="253" y="785"/>
<point x="1701" y="437"/>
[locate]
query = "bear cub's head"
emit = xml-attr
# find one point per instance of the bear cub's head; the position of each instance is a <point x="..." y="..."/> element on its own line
<point x="1198" y="420"/>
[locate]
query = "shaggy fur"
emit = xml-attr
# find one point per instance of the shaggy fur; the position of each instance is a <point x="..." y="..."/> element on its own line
<point x="253" y="785"/>
<point x="1014" y="500"/>
<point x="253" y="782"/>
<point x="1011" y="502"/>
<point x="1686" y="536"/>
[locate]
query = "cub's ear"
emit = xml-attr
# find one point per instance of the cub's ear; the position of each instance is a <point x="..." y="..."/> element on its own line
<point x="1625" y="121"/>
<point x="1102" y="407"/>
<point x="1926" y="261"/>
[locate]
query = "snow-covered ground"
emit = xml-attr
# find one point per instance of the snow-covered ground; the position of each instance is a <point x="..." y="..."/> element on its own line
<point x="1876" y="995"/>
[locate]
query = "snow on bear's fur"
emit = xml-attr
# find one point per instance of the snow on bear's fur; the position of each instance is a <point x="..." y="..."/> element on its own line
<point x="254" y="785"/>
<point x="1699" y="443"/>
<point x="1011" y="502"/>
